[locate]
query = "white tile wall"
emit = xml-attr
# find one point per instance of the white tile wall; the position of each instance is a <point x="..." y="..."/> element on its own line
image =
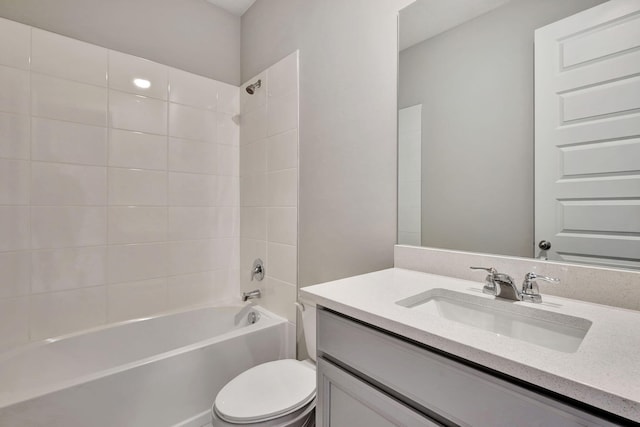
<point x="136" y="299"/>
<point x="14" y="136"/>
<point x="188" y="189"/>
<point x="192" y="256"/>
<point x="129" y="149"/>
<point x="254" y="125"/>
<point x="269" y="185"/>
<point x="137" y="224"/>
<point x="14" y="322"/>
<point x="282" y="151"/>
<point x="14" y="87"/>
<point x="125" y="69"/>
<point x="228" y="158"/>
<point x="282" y="113"/>
<point x="15" y="44"/>
<point x="228" y="189"/>
<point x="67" y="142"/>
<point x="137" y="187"/>
<point x="127" y="263"/>
<point x="137" y="113"/>
<point x="55" y="313"/>
<point x="14" y="182"/>
<point x="14" y="228"/>
<point x="282" y="188"/>
<point x="15" y="274"/>
<point x="254" y="223"/>
<point x="64" y="184"/>
<point x="67" y="58"/>
<point x="228" y="129"/>
<point x="194" y="289"/>
<point x="116" y="201"/>
<point x="68" y="100"/>
<point x="282" y="224"/>
<point x="191" y="223"/>
<point x="192" y="156"/>
<point x="68" y="226"/>
<point x="69" y="268"/>
<point x="196" y="91"/>
<point x="192" y="123"/>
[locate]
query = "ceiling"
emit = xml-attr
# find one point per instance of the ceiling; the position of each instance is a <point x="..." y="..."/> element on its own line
<point x="427" y="18"/>
<point x="237" y="7"/>
<point x="419" y="21"/>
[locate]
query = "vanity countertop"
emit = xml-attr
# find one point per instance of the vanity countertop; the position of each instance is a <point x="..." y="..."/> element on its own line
<point x="604" y="371"/>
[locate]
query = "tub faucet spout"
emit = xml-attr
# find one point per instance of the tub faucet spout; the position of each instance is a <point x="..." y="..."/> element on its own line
<point x="251" y="295"/>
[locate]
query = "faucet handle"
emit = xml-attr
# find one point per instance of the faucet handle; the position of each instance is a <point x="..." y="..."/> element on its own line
<point x="489" y="287"/>
<point x="257" y="270"/>
<point x="531" y="277"/>
<point x="530" y="290"/>
<point x="489" y="270"/>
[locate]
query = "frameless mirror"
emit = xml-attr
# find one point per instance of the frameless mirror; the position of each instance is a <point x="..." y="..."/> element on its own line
<point x="468" y="120"/>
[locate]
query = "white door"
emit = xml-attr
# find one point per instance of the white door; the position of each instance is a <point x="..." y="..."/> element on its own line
<point x="587" y="136"/>
<point x="410" y="176"/>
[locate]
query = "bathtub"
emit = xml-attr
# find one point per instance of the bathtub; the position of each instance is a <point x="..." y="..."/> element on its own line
<point x="156" y="372"/>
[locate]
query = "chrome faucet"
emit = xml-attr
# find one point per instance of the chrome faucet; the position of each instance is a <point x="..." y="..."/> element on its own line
<point x="251" y="295"/>
<point x="530" y="291"/>
<point x="499" y="284"/>
<point x="503" y="286"/>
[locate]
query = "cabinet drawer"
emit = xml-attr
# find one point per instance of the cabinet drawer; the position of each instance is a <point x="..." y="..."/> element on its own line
<point x="346" y="401"/>
<point x="428" y="381"/>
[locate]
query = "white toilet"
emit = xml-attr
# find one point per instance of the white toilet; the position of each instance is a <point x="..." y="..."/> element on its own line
<point x="281" y="393"/>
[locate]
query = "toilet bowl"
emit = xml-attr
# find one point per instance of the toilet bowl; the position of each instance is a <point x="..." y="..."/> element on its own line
<point x="280" y="393"/>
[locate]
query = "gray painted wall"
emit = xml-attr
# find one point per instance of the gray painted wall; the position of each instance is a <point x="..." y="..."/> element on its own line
<point x="476" y="86"/>
<point x="348" y="119"/>
<point x="189" y="34"/>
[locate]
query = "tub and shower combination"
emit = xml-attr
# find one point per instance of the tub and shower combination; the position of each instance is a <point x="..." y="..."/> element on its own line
<point x="157" y="372"/>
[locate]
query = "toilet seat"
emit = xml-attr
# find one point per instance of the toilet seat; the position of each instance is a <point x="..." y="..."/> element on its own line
<point x="266" y="392"/>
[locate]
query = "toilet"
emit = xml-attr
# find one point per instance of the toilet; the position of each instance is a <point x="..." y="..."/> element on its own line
<point x="280" y="393"/>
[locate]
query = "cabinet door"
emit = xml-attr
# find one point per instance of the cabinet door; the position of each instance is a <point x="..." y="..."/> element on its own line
<point x="346" y="401"/>
<point x="454" y="392"/>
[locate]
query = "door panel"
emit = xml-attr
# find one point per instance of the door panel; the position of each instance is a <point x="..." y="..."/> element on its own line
<point x="587" y="143"/>
<point x="346" y="401"/>
<point x="609" y="40"/>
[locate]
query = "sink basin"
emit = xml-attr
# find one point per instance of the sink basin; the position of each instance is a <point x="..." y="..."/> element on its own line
<point x="556" y="331"/>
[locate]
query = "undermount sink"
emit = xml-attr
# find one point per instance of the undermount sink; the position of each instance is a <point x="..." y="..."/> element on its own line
<point x="547" y="329"/>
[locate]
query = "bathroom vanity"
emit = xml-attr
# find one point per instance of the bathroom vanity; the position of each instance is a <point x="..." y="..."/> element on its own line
<point x="400" y="347"/>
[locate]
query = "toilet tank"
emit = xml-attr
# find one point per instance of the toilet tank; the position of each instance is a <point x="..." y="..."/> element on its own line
<point x="309" y="327"/>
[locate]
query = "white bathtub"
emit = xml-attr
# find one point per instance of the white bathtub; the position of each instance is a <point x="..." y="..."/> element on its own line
<point x="157" y="372"/>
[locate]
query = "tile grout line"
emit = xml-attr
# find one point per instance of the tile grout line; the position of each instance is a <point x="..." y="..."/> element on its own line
<point x="167" y="254"/>
<point x="30" y="219"/>
<point x="108" y="198"/>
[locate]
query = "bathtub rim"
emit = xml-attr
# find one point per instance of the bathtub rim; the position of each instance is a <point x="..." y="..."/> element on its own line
<point x="268" y="319"/>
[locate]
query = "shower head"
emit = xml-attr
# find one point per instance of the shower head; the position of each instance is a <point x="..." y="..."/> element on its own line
<point x="251" y="89"/>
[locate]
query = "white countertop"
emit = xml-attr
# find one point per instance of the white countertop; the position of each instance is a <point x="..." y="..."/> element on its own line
<point x="604" y="372"/>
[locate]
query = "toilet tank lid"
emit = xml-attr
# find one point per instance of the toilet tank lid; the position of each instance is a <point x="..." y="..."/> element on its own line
<point x="267" y="391"/>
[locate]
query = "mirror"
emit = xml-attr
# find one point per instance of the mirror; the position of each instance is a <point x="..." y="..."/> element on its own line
<point x="466" y="127"/>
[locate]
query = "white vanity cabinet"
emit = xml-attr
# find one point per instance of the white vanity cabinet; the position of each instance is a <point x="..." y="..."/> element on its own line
<point x="367" y="377"/>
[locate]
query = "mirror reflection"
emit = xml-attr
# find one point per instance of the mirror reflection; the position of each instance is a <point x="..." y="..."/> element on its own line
<point x="469" y="126"/>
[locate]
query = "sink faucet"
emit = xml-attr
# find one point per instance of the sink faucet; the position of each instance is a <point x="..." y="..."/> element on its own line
<point x="499" y="284"/>
<point x="503" y="286"/>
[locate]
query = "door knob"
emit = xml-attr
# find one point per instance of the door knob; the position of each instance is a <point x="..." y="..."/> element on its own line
<point x="544" y="245"/>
